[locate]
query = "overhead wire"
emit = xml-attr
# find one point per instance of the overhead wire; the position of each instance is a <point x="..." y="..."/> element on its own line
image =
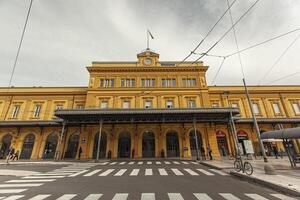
<point x="222" y="37"/>
<point x="284" y="77"/>
<point x="208" y="33"/>
<point x="278" y="59"/>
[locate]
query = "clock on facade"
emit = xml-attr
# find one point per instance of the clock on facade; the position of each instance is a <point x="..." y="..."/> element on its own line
<point x="147" y="61"/>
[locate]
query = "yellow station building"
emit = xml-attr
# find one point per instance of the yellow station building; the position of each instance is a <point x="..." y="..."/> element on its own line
<point x="143" y="109"/>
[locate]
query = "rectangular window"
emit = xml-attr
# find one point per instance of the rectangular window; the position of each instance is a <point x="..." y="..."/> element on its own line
<point x="107" y="82"/>
<point x="255" y="108"/>
<point x="191" y="104"/>
<point x="127" y="82"/>
<point x="148" y="82"/>
<point x="169" y="104"/>
<point x="37" y="111"/>
<point x="80" y="106"/>
<point x="276" y="108"/>
<point x="104" y="105"/>
<point x="169" y="82"/>
<point x="189" y="82"/>
<point x="214" y="105"/>
<point x="59" y="107"/>
<point x="126" y="104"/>
<point x="148" y="104"/>
<point x="16" y="111"/>
<point x="234" y="105"/>
<point x="296" y="108"/>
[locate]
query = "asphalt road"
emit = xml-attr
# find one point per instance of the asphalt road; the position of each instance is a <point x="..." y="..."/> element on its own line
<point x="120" y="180"/>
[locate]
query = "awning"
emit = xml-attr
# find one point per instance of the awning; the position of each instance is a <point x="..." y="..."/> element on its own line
<point x="267" y="120"/>
<point x="30" y="123"/>
<point x="288" y="133"/>
<point x="146" y="115"/>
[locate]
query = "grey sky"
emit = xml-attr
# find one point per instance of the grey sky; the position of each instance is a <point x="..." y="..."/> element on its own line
<point x="64" y="36"/>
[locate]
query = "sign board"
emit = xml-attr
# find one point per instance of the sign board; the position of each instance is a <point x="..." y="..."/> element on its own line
<point x="248" y="147"/>
<point x="83" y="141"/>
<point x="240" y="149"/>
<point x="185" y="148"/>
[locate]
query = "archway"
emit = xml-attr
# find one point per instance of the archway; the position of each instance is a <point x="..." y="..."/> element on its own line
<point x="242" y="135"/>
<point x="27" y="146"/>
<point x="193" y="145"/>
<point x="72" y="146"/>
<point x="50" y="146"/>
<point x="172" y="141"/>
<point x="222" y="143"/>
<point x="6" y="142"/>
<point x="124" y="145"/>
<point x="103" y="143"/>
<point x="148" y="144"/>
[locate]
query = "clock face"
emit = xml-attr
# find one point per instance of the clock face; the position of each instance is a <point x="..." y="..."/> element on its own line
<point x="147" y="61"/>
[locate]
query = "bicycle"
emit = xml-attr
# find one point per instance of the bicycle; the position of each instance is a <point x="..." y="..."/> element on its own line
<point x="245" y="166"/>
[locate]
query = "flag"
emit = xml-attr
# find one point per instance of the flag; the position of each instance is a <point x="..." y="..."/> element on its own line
<point x="150" y="35"/>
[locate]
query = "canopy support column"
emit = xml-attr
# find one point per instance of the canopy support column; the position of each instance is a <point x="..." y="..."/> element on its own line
<point x="234" y="134"/>
<point x="58" y="155"/>
<point x="99" y="139"/>
<point x="196" y="140"/>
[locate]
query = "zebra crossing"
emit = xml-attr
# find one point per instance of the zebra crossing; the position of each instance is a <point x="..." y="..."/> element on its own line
<point x="149" y="172"/>
<point x="15" y="186"/>
<point x="149" y="163"/>
<point x="152" y="196"/>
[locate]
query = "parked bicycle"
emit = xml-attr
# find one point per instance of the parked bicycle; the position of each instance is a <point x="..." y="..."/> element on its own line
<point x="241" y="165"/>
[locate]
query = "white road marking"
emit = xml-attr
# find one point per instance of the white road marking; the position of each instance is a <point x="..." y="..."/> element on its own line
<point x="205" y="172"/>
<point x="67" y="196"/>
<point x="148" y="172"/>
<point x="112" y="163"/>
<point x="78" y="173"/>
<point x="120" y="196"/>
<point x="177" y="172"/>
<point x="40" y="197"/>
<point x="134" y="172"/>
<point x="175" y="162"/>
<point x="191" y="172"/>
<point x="93" y="172"/>
<point x="229" y="196"/>
<point x="184" y="162"/>
<point x="167" y="162"/>
<point x="282" y="197"/>
<point x="104" y="163"/>
<point x="148" y="196"/>
<point x="130" y="163"/>
<point x="20" y="185"/>
<point x="36" y="177"/>
<point x="107" y="172"/>
<point x="30" y="181"/>
<point x="256" y="197"/>
<point x="140" y="163"/>
<point x="202" y="196"/>
<point x="93" y="197"/>
<point x="53" y="174"/>
<point x="158" y="162"/>
<point x="219" y="172"/>
<point x="149" y="163"/>
<point x="11" y="191"/>
<point x="122" y="163"/>
<point x="120" y="172"/>
<point x="175" y="196"/>
<point x="14" y="197"/>
<point x="162" y="172"/>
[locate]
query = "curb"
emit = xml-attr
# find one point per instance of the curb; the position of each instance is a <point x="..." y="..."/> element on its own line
<point x="211" y="166"/>
<point x="265" y="183"/>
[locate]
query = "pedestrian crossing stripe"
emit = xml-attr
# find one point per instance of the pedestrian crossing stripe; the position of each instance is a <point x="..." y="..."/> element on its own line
<point x="140" y="163"/>
<point x="10" y="191"/>
<point x="151" y="196"/>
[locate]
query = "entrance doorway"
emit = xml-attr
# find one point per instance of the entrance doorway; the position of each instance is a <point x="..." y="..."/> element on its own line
<point x="103" y="142"/>
<point x="72" y="146"/>
<point x="27" y="146"/>
<point x="6" y="142"/>
<point x="242" y="135"/>
<point x="148" y="144"/>
<point x="50" y="146"/>
<point x="222" y="143"/>
<point x="193" y="145"/>
<point x="124" y="145"/>
<point x="172" y="144"/>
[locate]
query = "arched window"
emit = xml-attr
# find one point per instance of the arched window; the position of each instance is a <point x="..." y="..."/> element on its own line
<point x="193" y="144"/>
<point x="103" y="143"/>
<point x="72" y="146"/>
<point x="148" y="144"/>
<point x="27" y="146"/>
<point x="124" y="145"/>
<point x="172" y="143"/>
<point x="50" y="146"/>
<point x="6" y="142"/>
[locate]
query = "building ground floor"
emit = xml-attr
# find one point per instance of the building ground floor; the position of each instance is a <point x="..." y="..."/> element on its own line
<point x="136" y="141"/>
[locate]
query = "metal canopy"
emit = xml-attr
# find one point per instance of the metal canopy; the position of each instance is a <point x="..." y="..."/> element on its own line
<point x="268" y="120"/>
<point x="30" y="123"/>
<point x="288" y="133"/>
<point x="146" y="115"/>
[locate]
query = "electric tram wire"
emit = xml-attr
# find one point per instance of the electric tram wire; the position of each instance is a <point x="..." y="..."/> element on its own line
<point x="284" y="77"/>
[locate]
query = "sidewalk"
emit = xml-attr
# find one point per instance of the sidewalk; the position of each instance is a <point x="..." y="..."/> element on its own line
<point x="287" y="179"/>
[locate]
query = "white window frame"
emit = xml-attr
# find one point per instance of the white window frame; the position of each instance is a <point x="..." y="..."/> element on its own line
<point x="170" y="104"/>
<point x="276" y="108"/>
<point x="215" y="105"/>
<point x="256" y="109"/>
<point x="296" y="108"/>
<point x="104" y="104"/>
<point x="191" y="103"/>
<point x="59" y="107"/>
<point x="16" y="111"/>
<point x="148" y="104"/>
<point x="37" y="110"/>
<point x="126" y="104"/>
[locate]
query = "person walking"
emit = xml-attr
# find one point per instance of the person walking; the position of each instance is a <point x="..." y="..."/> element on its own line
<point x="209" y="152"/>
<point x="79" y="153"/>
<point x="275" y="151"/>
<point x="10" y="154"/>
<point x="15" y="156"/>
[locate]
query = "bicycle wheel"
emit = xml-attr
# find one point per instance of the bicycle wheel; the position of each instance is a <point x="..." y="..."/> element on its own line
<point x="237" y="165"/>
<point x="248" y="168"/>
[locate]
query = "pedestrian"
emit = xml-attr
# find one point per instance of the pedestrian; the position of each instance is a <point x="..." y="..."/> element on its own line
<point x="11" y="152"/>
<point x="209" y="152"/>
<point x="202" y="152"/>
<point x="15" y="156"/>
<point x="275" y="151"/>
<point x="223" y="151"/>
<point x="79" y="153"/>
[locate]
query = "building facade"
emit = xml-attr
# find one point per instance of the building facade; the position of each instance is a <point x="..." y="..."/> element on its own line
<point x="143" y="109"/>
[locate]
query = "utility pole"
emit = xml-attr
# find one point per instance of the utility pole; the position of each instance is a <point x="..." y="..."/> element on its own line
<point x="255" y="123"/>
<point x="196" y="139"/>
